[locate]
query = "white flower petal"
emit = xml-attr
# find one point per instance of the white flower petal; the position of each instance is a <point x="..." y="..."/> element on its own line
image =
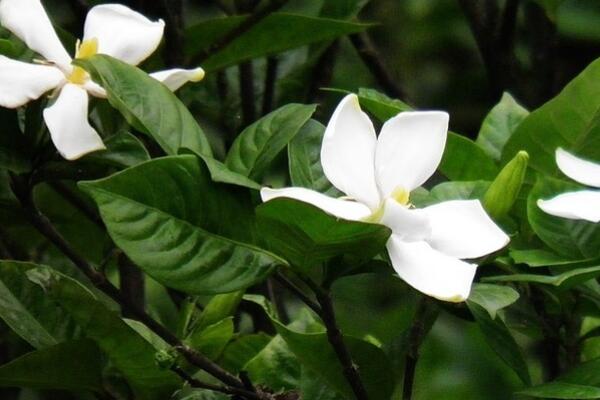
<point x="67" y="121"/>
<point x="430" y="271"/>
<point x="578" y="169"/>
<point x="462" y="229"/>
<point x="407" y="224"/>
<point x="122" y="32"/>
<point x="177" y="77"/>
<point x="409" y="149"/>
<point x="21" y="82"/>
<point x="94" y="89"/>
<point x="28" y="20"/>
<point x="340" y="208"/>
<point x="348" y="152"/>
<point x="583" y="204"/>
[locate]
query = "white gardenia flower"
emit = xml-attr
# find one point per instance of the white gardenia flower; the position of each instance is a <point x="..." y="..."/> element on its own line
<point x="377" y="175"/>
<point x="111" y="29"/>
<point x="582" y="204"/>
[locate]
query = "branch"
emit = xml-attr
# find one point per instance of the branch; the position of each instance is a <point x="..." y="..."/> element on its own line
<point x="289" y="285"/>
<point x="334" y="335"/>
<point x="45" y="227"/>
<point x="131" y="282"/>
<point x="416" y="334"/>
<point x="77" y="202"/>
<point x="370" y="56"/>
<point x="269" y="87"/>
<point x="196" y="383"/>
<point x="246" y="79"/>
<point x="239" y="30"/>
<point x="322" y="71"/>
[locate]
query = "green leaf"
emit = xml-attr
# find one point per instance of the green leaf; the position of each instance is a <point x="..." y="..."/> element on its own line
<point x="316" y="353"/>
<point x="562" y="390"/>
<point x="540" y="258"/>
<point x="499" y="125"/>
<point x="380" y="105"/>
<point x="576" y="239"/>
<point x="500" y="340"/>
<point x="463" y="160"/>
<point x="242" y="349"/>
<point x="218" y="308"/>
<point x="569" y="120"/>
<point x="122" y="150"/>
<point x="7" y="48"/>
<point x="274" y="34"/>
<point x="128" y="351"/>
<point x="147" y="105"/>
<point x="451" y="191"/>
<point x="566" y="280"/>
<point x="14" y="146"/>
<point x="211" y="340"/>
<point x="314" y="387"/>
<point x="258" y="145"/>
<point x="493" y="297"/>
<point x="73" y="365"/>
<point x="180" y="227"/>
<point x="304" y="155"/>
<point x="27" y="310"/>
<point x="306" y="236"/>
<point x="275" y="366"/>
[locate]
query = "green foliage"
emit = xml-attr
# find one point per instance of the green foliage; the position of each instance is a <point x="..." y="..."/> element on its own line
<point x="180" y="236"/>
<point x="147" y="105"/>
<point x="307" y="236"/>
<point x="258" y="145"/>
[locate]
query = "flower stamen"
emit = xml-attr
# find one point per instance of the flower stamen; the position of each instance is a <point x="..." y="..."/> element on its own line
<point x="85" y="49"/>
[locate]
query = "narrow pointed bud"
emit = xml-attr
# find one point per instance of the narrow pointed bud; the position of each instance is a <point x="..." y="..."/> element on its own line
<point x="503" y="192"/>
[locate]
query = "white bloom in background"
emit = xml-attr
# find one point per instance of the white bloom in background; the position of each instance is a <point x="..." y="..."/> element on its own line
<point x="377" y="175"/>
<point x="110" y="29"/>
<point x="582" y="204"/>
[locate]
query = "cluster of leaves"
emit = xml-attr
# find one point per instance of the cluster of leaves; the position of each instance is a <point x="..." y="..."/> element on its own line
<point x="186" y="212"/>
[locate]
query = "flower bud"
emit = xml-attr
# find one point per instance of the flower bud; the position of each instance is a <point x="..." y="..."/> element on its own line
<point x="503" y="192"/>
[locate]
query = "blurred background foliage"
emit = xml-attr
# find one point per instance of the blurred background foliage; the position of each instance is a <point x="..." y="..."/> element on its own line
<point x="438" y="54"/>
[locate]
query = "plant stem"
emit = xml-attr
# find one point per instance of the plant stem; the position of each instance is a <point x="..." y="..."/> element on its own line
<point x="195" y="383"/>
<point x="246" y="70"/>
<point x="45" y="227"/>
<point x="289" y="285"/>
<point x="131" y="280"/>
<point x="416" y="334"/>
<point x="269" y="89"/>
<point x="68" y="194"/>
<point x="334" y="335"/>
<point x="370" y="56"/>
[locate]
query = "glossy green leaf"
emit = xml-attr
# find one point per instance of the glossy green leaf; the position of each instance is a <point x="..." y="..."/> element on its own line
<point x="501" y="341"/>
<point x="219" y="307"/>
<point x="306" y="236"/>
<point x="128" y="351"/>
<point x="73" y="365"/>
<point x="569" y="120"/>
<point x="242" y="349"/>
<point x="572" y="238"/>
<point x="7" y="48"/>
<point x="147" y="105"/>
<point x="316" y="353"/>
<point x="499" y="125"/>
<point x="540" y="258"/>
<point x="313" y="386"/>
<point x="304" y="156"/>
<point x="562" y="390"/>
<point x="450" y="191"/>
<point x="493" y="297"/>
<point x="27" y="310"/>
<point x="565" y="280"/>
<point x="122" y="150"/>
<point x="274" y="34"/>
<point x="211" y="340"/>
<point x="258" y="145"/>
<point x="180" y="227"/>
<point x="380" y="105"/>
<point x="463" y="160"/>
<point x="275" y="365"/>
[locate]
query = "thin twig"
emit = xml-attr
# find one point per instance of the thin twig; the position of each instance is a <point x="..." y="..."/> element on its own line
<point x="334" y="335"/>
<point x="45" y="227"/>
<point x="370" y="56"/>
<point x="416" y="335"/>
<point x="269" y="87"/>
<point x="68" y="194"/>
<point x="246" y="77"/>
<point x="131" y="282"/>
<point x="289" y="285"/>
<point x="196" y="383"/>
<point x="239" y="30"/>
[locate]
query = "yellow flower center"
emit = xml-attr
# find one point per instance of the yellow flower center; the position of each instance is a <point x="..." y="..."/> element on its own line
<point x="401" y="195"/>
<point x="85" y="49"/>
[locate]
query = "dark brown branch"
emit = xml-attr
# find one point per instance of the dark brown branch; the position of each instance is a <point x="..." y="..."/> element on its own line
<point x="246" y="77"/>
<point x="131" y="280"/>
<point x="196" y="383"/>
<point x="371" y="58"/>
<point x="239" y="30"/>
<point x="45" y="227"/>
<point x="174" y="35"/>
<point x="68" y="194"/>
<point x="416" y="334"/>
<point x="269" y="87"/>
<point x="334" y="335"/>
<point x="322" y="72"/>
<point x="289" y="285"/>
